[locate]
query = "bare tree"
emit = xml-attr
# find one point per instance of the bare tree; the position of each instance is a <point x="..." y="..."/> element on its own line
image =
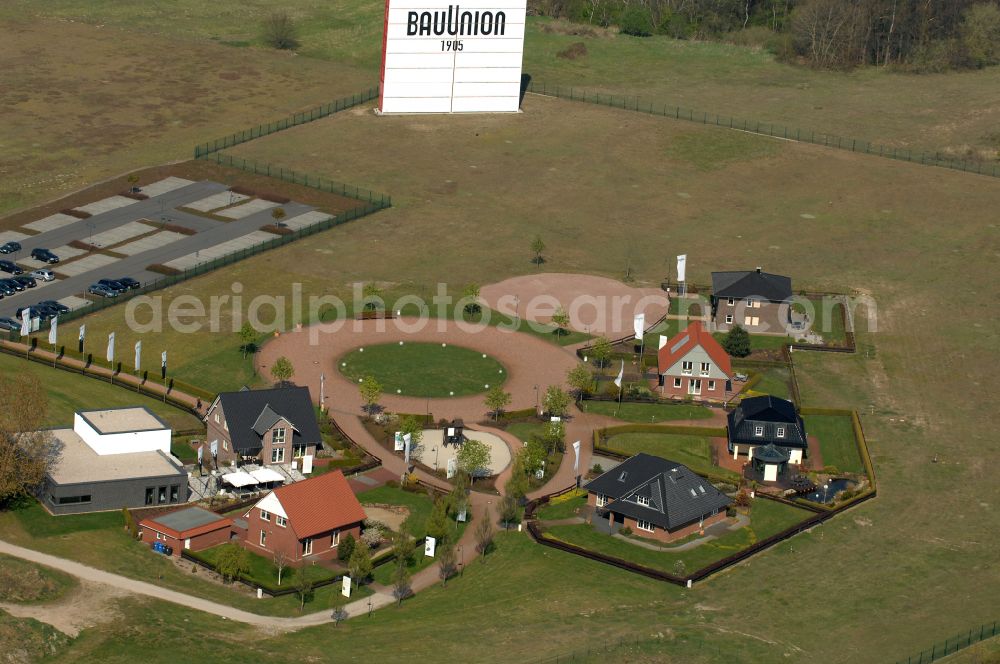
<point x="280" y="563"/>
<point x="26" y="452"/>
<point x="485" y="534"/>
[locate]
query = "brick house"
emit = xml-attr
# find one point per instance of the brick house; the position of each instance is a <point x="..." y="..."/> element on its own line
<point x="263" y="426"/>
<point x="656" y="498"/>
<point x="192" y="528"/>
<point x="693" y="363"/>
<point x="306" y="520"/>
<point x="766" y="420"/>
<point x="757" y="301"/>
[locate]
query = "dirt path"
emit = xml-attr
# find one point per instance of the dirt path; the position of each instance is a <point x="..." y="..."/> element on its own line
<point x="87" y="605"/>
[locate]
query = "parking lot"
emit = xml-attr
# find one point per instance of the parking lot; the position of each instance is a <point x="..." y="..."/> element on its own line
<point x="180" y="225"/>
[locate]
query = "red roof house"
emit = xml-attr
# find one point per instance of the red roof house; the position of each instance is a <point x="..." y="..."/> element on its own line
<point x="693" y="364"/>
<point x="305" y="521"/>
<point x="192" y="528"/>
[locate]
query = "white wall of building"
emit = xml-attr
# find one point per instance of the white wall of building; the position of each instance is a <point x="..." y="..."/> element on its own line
<point x="121" y="443"/>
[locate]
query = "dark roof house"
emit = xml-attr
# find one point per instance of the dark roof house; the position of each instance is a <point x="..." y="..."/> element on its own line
<point x="751" y="283"/>
<point x="250" y="414"/>
<point x="765" y="420"/>
<point x="664" y="493"/>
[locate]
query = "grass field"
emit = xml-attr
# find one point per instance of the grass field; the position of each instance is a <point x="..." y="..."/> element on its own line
<point x="692" y="451"/>
<point x="22" y="582"/>
<point x="70" y="392"/>
<point x="645" y="413"/>
<point x="424" y="369"/>
<point x="774" y="381"/>
<point x="767" y="517"/>
<point x="836" y="441"/>
<point x="563" y="507"/>
<point x="419" y="504"/>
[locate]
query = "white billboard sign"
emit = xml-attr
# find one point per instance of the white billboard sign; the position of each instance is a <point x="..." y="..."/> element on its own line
<point x="345" y="586"/>
<point x="439" y="57"/>
<point x="429" y="545"/>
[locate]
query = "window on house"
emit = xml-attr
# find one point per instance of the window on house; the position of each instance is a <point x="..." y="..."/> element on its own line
<point x="278" y="455"/>
<point x="729" y="319"/>
<point x="602" y="500"/>
<point x="753" y="304"/>
<point x="225" y="444"/>
<point x="687" y="367"/>
<point x="280" y="521"/>
<point x="73" y="500"/>
<point x="159" y="536"/>
<point x="162" y="494"/>
<point x="781" y="432"/>
<point x="644" y="525"/>
<point x="758" y="431"/>
<point x="279" y="436"/>
<point x="263" y="538"/>
<point x="621" y="478"/>
<point x="307" y="546"/>
<point x="642" y="500"/>
<point x="216" y="417"/>
<point x="677" y="383"/>
<point x="298" y="451"/>
<point x="711" y="386"/>
<point x="225" y="425"/>
<point x="334" y="538"/>
<point x="705" y="368"/>
<point x="265" y="515"/>
<point x="751" y="321"/>
<point x="149" y="495"/>
<point x="731" y="301"/>
<point x="174" y="491"/>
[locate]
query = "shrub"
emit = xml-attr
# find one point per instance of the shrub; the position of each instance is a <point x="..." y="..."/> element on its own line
<point x="636" y="21"/>
<point x="626" y="531"/>
<point x="598" y="469"/>
<point x="372" y="536"/>
<point x="79" y="214"/>
<point x="276" y="230"/>
<point x="246" y="191"/>
<point x="346" y="547"/>
<point x="183" y="230"/>
<point x="737" y="342"/>
<point x="280" y="32"/>
<point x="573" y="51"/>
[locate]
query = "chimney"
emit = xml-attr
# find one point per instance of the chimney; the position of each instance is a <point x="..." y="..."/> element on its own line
<point x="758" y="269"/>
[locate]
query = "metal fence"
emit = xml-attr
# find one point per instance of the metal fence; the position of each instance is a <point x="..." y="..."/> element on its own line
<point x="633" y="103"/>
<point x="953" y="644"/>
<point x="284" y="123"/>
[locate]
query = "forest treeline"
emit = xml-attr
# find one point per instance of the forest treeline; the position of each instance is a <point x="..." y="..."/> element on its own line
<point x="923" y="35"/>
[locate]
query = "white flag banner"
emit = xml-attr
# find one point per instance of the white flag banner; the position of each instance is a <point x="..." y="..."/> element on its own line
<point x="138" y="355"/>
<point x="639" y="325"/>
<point x="345" y="586"/>
<point x="682" y="267"/>
<point x="52" y="330"/>
<point x="201" y="453"/>
<point x="452" y="467"/>
<point x="407" y="439"/>
<point x="307" y="464"/>
<point x="429" y="544"/>
<point x="83" y="333"/>
<point x="621" y="375"/>
<point x="214" y="448"/>
<point x="663" y="342"/>
<point x="576" y="461"/>
<point x="25" y="322"/>
<point x="111" y="348"/>
<point x="163" y="360"/>
<point x="397" y="442"/>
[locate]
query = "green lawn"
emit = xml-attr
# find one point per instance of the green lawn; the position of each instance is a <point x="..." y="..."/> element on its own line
<point x="419" y="505"/>
<point x="424" y="369"/>
<point x="525" y="431"/>
<point x="692" y="451"/>
<point x="767" y="517"/>
<point x="646" y="413"/>
<point x="22" y="582"/>
<point x="761" y="341"/>
<point x="836" y="441"/>
<point x="563" y="507"/>
<point x="774" y="381"/>
<point x="69" y="392"/>
<point x="263" y="570"/>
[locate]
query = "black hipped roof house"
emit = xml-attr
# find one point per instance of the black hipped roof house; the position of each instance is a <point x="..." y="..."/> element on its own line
<point x="677" y="495"/>
<point x="751" y="283"/>
<point x="757" y="421"/>
<point x="251" y="413"/>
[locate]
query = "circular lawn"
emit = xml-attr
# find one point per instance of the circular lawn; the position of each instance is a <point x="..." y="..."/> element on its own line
<point x="424" y="369"/>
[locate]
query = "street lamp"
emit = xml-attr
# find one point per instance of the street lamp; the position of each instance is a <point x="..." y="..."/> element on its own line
<point x="369" y="607"/>
<point x="435" y="450"/>
<point x="536" y="398"/>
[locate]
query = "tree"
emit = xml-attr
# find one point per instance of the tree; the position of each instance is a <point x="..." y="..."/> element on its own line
<point x="401" y="582"/>
<point x="737" y="342"/>
<point x="484" y="534"/>
<point x="248" y="339"/>
<point x="447" y="562"/>
<point x="535" y="454"/>
<point x="981" y="34"/>
<point x="282" y="370"/>
<point x="280" y="563"/>
<point x="601" y="351"/>
<point x="438" y="525"/>
<point x="580" y="380"/>
<point x="346" y="547"/>
<point x="372" y="296"/>
<point x="636" y="21"/>
<point x="278" y="214"/>
<point x="27" y="452"/>
<point x="280" y="32"/>
<point x="370" y="390"/>
<point x="556" y="402"/>
<point x="232" y="562"/>
<point x="497" y="400"/>
<point x="339" y="614"/>
<point x="517" y="483"/>
<point x="680" y="569"/>
<point x="537" y="247"/>
<point x="470" y="294"/>
<point x="555" y="436"/>
<point x="474" y="458"/>
<point x="561" y="320"/>
<point x="133" y="180"/>
<point x="510" y="511"/>
<point x="359" y="564"/>
<point x="411" y="425"/>
<point x="402" y="547"/>
<point x="303" y="585"/>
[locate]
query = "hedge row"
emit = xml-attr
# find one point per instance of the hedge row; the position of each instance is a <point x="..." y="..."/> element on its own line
<point x="669" y="429"/>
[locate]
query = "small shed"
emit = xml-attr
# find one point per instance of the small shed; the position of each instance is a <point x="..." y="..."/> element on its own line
<point x="192" y="528"/>
<point x="454" y="432"/>
<point x="771" y="461"/>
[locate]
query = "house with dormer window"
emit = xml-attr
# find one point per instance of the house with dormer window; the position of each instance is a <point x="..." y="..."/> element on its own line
<point x="693" y="364"/>
<point x="764" y="421"/>
<point x="757" y="301"/>
<point x="656" y="498"/>
<point x="274" y="426"/>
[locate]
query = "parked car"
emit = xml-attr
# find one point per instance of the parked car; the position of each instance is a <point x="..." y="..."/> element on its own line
<point x="26" y="280"/>
<point x="17" y="286"/>
<point x="9" y="324"/>
<point x="45" y="311"/>
<point x="44" y="255"/>
<point x="6" y="288"/>
<point x="52" y="304"/>
<point x="10" y="267"/>
<point x="10" y="247"/>
<point x="102" y="290"/>
<point x="129" y="283"/>
<point x="113" y="284"/>
<point x="43" y="275"/>
<point x="43" y="314"/>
